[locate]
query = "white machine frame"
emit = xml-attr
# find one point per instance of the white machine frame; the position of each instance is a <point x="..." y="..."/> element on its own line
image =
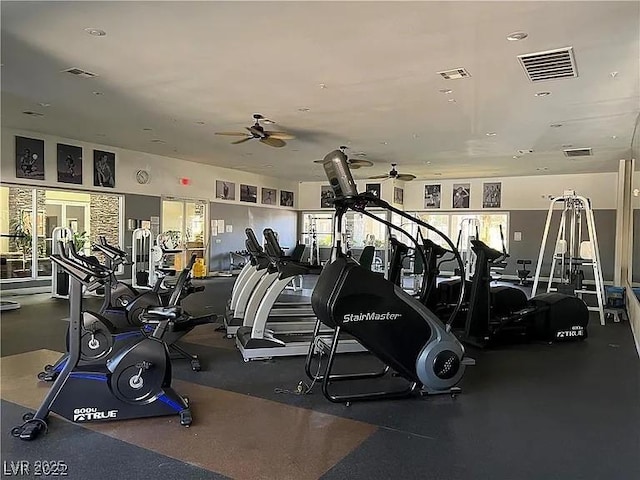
<point x="142" y="244"/>
<point x="565" y="253"/>
<point x="58" y="234"/>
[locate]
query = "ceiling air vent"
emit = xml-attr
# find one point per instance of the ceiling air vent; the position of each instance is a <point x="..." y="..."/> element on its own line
<point x="578" y="152"/>
<point x="549" y="65"/>
<point x="455" y="73"/>
<point x="78" y="72"/>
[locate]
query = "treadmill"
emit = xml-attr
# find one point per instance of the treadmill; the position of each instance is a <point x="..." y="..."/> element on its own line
<point x="252" y="284"/>
<point x="271" y="335"/>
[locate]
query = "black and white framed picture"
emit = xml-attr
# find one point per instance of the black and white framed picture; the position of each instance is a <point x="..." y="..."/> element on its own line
<point x="286" y="198"/>
<point x="69" y="164"/>
<point x="374" y="189"/>
<point x="492" y="195"/>
<point x="225" y="190"/>
<point x="398" y="195"/>
<point x="326" y="196"/>
<point x="104" y="169"/>
<point x="248" y="193"/>
<point x="29" y="158"/>
<point x="269" y="196"/>
<point x="461" y="195"/>
<point x="432" y="196"/>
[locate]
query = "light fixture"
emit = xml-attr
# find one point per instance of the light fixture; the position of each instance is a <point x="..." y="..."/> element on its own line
<point x="147" y="129"/>
<point x="267" y="166"/>
<point x="542" y="169"/>
<point x="304" y="109"/>
<point x="415" y="135"/>
<point x="516" y="36"/>
<point x="97" y="93"/>
<point x="614" y="136"/>
<point x="323" y="85"/>
<point x="452" y="100"/>
<point x="157" y="140"/>
<point x="555" y="125"/>
<point x="446" y="91"/>
<point x="516" y="157"/>
<point x="96" y="32"/>
<point x="491" y="134"/>
<point x="543" y="94"/>
<point x="384" y="143"/>
<point x="200" y="123"/>
<point x="44" y="104"/>
<point x="428" y="162"/>
<point x="613" y="74"/>
<point x="636" y="192"/>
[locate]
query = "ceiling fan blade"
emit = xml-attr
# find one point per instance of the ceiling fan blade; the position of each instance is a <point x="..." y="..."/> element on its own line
<point x="279" y="135"/>
<point x="405" y="177"/>
<point x="242" y="140"/>
<point x="233" y="134"/>
<point x="273" y="142"/>
<point x="379" y="177"/>
<point x="355" y="163"/>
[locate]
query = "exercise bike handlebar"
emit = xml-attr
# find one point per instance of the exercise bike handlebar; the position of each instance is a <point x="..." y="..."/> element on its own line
<point x="86" y="273"/>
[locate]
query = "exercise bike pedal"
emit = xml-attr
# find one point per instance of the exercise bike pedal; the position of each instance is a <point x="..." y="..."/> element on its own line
<point x="185" y="417"/>
<point x="195" y="365"/>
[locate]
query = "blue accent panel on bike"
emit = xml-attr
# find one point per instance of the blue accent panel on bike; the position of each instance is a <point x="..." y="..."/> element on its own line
<point x="60" y="367"/>
<point x="89" y="376"/>
<point x="120" y="336"/>
<point x="176" y="406"/>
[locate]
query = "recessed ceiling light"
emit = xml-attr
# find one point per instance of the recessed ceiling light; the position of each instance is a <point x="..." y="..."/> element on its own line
<point x="555" y="125"/>
<point x="542" y="169"/>
<point x="98" y="93"/>
<point x="147" y="129"/>
<point x="491" y="134"/>
<point x="415" y="135"/>
<point x="267" y="166"/>
<point x="614" y="136"/>
<point x="323" y="85"/>
<point x="96" y="32"/>
<point x="613" y="74"/>
<point x="157" y="140"/>
<point x="516" y="157"/>
<point x="33" y="114"/>
<point x="515" y="36"/>
<point x="44" y="105"/>
<point x="200" y="123"/>
<point x="304" y="109"/>
<point x="452" y="100"/>
<point x="428" y="162"/>
<point x="384" y="143"/>
<point x="543" y="94"/>
<point x="446" y="91"/>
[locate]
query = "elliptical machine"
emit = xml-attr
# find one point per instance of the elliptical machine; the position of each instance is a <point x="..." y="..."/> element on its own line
<point x="396" y="328"/>
<point x="135" y="383"/>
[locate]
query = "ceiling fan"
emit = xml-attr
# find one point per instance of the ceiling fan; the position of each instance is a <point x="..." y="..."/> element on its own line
<point x="405" y="177"/>
<point x="268" y="137"/>
<point x="354" y="163"/>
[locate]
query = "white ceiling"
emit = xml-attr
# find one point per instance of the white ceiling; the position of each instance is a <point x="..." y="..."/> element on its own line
<point x="168" y="65"/>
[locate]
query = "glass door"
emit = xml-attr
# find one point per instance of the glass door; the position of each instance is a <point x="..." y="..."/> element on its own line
<point x="187" y="221"/>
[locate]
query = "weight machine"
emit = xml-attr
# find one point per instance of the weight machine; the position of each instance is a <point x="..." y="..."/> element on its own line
<point x="59" y="278"/>
<point x="571" y="252"/>
<point x="142" y="270"/>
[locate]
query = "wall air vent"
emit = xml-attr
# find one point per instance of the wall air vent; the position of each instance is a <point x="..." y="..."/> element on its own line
<point x="549" y="65"/>
<point x="78" y="72"/>
<point x="455" y="73"/>
<point x="578" y="152"/>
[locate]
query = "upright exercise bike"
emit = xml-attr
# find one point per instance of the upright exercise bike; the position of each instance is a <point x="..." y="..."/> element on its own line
<point x="135" y="383"/>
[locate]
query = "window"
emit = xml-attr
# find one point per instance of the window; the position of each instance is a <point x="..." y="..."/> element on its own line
<point x="27" y="242"/>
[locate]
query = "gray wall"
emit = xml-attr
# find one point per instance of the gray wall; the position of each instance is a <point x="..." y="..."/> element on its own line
<point x="240" y="217"/>
<point x="531" y="224"/>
